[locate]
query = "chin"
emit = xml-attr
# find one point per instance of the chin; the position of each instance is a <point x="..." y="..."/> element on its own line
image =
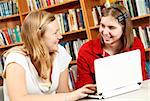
<point x="108" y="42"/>
<point x="53" y="49"/>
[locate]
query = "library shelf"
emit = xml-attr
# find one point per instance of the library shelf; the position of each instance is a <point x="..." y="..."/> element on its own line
<point x="94" y="27"/>
<point x="147" y="49"/>
<point x="65" y="5"/>
<point x="11" y="45"/>
<point x="73" y="62"/>
<point x="25" y="13"/>
<point x="72" y="32"/>
<point x="9" y="17"/>
<point x="0" y="74"/>
<point x="59" y="8"/>
<point x="140" y="17"/>
<point x="143" y="21"/>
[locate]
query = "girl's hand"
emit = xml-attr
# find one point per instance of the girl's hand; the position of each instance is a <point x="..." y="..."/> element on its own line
<point x="82" y="92"/>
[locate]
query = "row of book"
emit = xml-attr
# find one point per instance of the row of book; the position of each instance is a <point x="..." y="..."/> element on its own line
<point x="137" y="7"/>
<point x="143" y="34"/>
<point x="8" y="8"/>
<point x="10" y="35"/>
<point x="37" y="4"/>
<point x="97" y="14"/>
<point x="73" y="47"/>
<point x="68" y="21"/>
<point x="71" y="20"/>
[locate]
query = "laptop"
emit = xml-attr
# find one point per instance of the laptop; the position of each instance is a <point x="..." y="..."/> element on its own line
<point x="118" y="74"/>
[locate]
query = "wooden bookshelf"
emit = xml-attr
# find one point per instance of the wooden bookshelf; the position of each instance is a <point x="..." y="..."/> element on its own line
<point x="78" y="31"/>
<point x="73" y="62"/>
<point x="94" y="27"/>
<point x="140" y="17"/>
<point x="147" y="49"/>
<point x="11" y="45"/>
<point x="6" y="47"/>
<point x="9" y="17"/>
<point x="62" y="7"/>
<point x="143" y="20"/>
<point x="84" y="4"/>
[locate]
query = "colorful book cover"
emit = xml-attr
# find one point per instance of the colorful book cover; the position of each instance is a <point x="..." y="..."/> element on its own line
<point x="148" y="68"/>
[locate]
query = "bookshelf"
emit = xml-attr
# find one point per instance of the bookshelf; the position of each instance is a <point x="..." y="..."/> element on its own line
<point x="3" y="48"/>
<point x="143" y="20"/>
<point x="89" y="32"/>
<point x="147" y="49"/>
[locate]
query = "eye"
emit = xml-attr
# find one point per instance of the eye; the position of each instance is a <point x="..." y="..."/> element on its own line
<point x="102" y="25"/>
<point x="56" y="32"/>
<point x="112" y="27"/>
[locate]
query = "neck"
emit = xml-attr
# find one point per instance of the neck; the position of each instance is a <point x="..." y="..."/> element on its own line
<point x="113" y="48"/>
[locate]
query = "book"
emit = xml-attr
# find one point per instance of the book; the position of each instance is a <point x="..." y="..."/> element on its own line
<point x="65" y="22"/>
<point x="79" y="22"/>
<point x="72" y="20"/>
<point x="141" y="9"/>
<point x="130" y="8"/>
<point x="134" y="8"/>
<point x="3" y="38"/>
<point x="72" y="50"/>
<point x="147" y="5"/>
<point x="95" y="17"/>
<point x="73" y="74"/>
<point x="7" y="36"/>
<point x="148" y="68"/>
<point x="143" y="37"/>
<point x="17" y="34"/>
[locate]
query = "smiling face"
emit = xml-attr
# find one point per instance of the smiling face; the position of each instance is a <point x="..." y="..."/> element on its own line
<point x="111" y="31"/>
<point x="52" y="36"/>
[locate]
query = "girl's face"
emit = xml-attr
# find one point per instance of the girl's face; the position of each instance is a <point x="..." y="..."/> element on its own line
<point x="111" y="31"/>
<point x="52" y="36"/>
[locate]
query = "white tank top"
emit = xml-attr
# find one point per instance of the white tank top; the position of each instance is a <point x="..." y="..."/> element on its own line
<point x="33" y="82"/>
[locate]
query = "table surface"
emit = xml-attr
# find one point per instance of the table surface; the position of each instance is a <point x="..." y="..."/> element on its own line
<point x="142" y="94"/>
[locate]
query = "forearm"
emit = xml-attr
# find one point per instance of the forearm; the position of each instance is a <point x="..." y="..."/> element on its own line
<point x="48" y="97"/>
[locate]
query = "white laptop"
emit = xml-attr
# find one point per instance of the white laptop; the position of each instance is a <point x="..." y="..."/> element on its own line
<point x="118" y="74"/>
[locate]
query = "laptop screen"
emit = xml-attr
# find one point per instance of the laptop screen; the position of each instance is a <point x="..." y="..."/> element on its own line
<point x="118" y="71"/>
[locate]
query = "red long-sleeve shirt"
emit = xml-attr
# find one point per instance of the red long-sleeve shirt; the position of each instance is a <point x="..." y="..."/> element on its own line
<point x="93" y="50"/>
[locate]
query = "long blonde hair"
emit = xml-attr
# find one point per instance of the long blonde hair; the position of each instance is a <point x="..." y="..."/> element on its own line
<point x="33" y="29"/>
<point x="117" y="11"/>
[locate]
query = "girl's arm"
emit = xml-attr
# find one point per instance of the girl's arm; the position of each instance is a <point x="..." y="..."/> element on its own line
<point x="17" y="90"/>
<point x="63" y="82"/>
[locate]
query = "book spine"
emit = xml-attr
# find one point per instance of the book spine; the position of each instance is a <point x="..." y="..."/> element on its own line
<point x="134" y="7"/>
<point x="7" y="36"/>
<point x="65" y="21"/>
<point x="140" y="4"/>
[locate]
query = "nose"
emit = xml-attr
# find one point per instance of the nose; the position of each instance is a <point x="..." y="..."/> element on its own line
<point x="104" y="31"/>
<point x="59" y="36"/>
